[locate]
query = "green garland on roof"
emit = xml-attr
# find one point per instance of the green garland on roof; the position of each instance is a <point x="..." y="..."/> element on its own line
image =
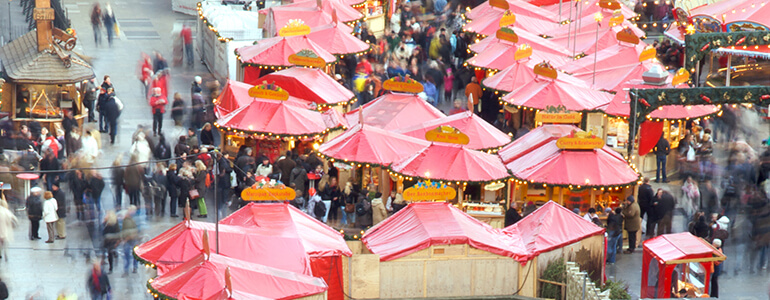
<point x="699" y="44"/>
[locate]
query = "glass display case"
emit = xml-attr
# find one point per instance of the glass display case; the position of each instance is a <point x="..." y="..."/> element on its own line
<point x="40" y="101"/>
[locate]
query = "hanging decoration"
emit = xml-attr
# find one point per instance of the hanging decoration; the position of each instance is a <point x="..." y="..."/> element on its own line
<point x="447" y="134"/>
<point x="680" y="77"/>
<point x="524" y="51"/>
<point x="699" y="44"/>
<point x="429" y="191"/>
<point x="609" y="4"/>
<point x="627" y="36"/>
<point x="501" y="4"/>
<point x="616" y="18"/>
<point x="507" y="19"/>
<point x="648" y="53"/>
<point x="546" y="70"/>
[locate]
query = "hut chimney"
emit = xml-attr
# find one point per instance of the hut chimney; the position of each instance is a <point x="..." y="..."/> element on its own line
<point x="44" y="16"/>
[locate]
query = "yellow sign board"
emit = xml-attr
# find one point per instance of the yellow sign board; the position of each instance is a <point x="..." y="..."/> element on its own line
<point x="648" y="53"/>
<point x="268" y="194"/>
<point x="417" y="194"/>
<point x="546" y="70"/>
<point x="617" y="18"/>
<point x="628" y="36"/>
<point x="307" y="58"/>
<point x="524" y="51"/>
<point x="609" y="4"/>
<point x="580" y="141"/>
<point x="502" y="4"/>
<point x="294" y="27"/>
<point x="558" y="118"/>
<point x="269" y="91"/>
<point x="447" y="134"/>
<point x="403" y="85"/>
<point x="681" y="76"/>
<point x="507" y="34"/>
<point x="508" y="19"/>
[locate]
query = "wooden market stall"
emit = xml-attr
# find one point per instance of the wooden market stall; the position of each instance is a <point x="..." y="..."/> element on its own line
<point x="673" y="262"/>
<point x="42" y="74"/>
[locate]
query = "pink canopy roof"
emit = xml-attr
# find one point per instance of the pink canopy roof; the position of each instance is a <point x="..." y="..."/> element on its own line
<point x="609" y="57"/>
<point x="543" y="92"/>
<point x="482" y="134"/>
<point x="365" y="144"/>
<point x="676" y="246"/>
<point x="421" y="225"/>
<point x="585" y="41"/>
<point x="589" y="8"/>
<point x="520" y="8"/>
<point x="279" y="16"/>
<point x="279" y="118"/>
<point x="276" y="51"/>
<point x="612" y="78"/>
<point x="185" y="240"/>
<point x="452" y="162"/>
<point x="621" y="107"/>
<point x="490" y="23"/>
<point x="236" y="94"/>
<point x="538" y="44"/>
<point x="736" y="10"/>
<point x="395" y="110"/>
<point x="203" y="278"/>
<point x="337" y="39"/>
<point x="285" y="220"/>
<point x="588" y="24"/>
<point x="538" y="159"/>
<point x="550" y="227"/>
<point x="500" y="55"/>
<point x="345" y="12"/>
<point x="309" y="83"/>
<point x="518" y="74"/>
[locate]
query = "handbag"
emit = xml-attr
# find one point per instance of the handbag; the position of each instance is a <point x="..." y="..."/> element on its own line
<point x="194" y="194"/>
<point x="350" y="207"/>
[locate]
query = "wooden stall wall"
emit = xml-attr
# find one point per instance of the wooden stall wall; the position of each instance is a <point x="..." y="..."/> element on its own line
<point x="588" y="253"/>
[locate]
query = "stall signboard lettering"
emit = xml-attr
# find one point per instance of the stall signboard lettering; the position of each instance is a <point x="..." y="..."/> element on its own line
<point x="627" y="36"/>
<point x="617" y="18"/>
<point x="580" y="141"/>
<point x="268" y="194"/>
<point x="501" y="4"/>
<point x="269" y="91"/>
<point x="507" y="34"/>
<point x="647" y="54"/>
<point x="524" y="51"/>
<point x="431" y="193"/>
<point x="447" y="134"/>
<point x="43" y="13"/>
<point x="307" y="58"/>
<point x="681" y="76"/>
<point x="508" y="19"/>
<point x="294" y="27"/>
<point x="402" y="84"/>
<point x="609" y="4"/>
<point x="546" y="70"/>
<point x="558" y="118"/>
<point x="706" y="24"/>
<point x="746" y="26"/>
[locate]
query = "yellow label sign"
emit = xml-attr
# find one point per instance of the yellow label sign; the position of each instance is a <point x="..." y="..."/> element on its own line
<point x="403" y="85"/>
<point x="300" y="60"/>
<point x="628" y="36"/>
<point x="266" y="93"/>
<point x="546" y="70"/>
<point x="558" y="118"/>
<point x="294" y="27"/>
<point x="508" y="19"/>
<point x="681" y="76"/>
<point x="501" y="4"/>
<point x="609" y="4"/>
<point x="417" y="194"/>
<point x="507" y="34"/>
<point x="524" y="51"/>
<point x="268" y="194"/>
<point x="447" y="134"/>
<point x="648" y="53"/>
<point x="575" y="143"/>
<point x="616" y="20"/>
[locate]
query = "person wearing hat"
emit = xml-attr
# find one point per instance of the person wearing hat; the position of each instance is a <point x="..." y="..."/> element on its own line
<point x="34" y="212"/>
<point x="717" y="243"/>
<point x="195" y="88"/>
<point x="158" y="103"/>
<point x="633" y="221"/>
<point x="49" y="214"/>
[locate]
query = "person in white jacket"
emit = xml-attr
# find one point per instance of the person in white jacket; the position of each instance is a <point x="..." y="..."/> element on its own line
<point x="49" y="214"/>
<point x="89" y="148"/>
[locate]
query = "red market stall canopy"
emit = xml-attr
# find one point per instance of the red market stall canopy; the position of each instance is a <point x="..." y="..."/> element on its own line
<point x="337" y="39"/>
<point x="621" y="107"/>
<point x="275" y="52"/>
<point x="285" y="220"/>
<point x="345" y="12"/>
<point x="279" y="16"/>
<point x="490" y="23"/>
<point x="393" y="111"/>
<point x="277" y="118"/>
<point x="235" y="94"/>
<point x="185" y="240"/>
<point x="541" y="93"/>
<point x="365" y="144"/>
<point x="671" y="248"/>
<point x="609" y="57"/>
<point x="501" y="54"/>
<point x="589" y="7"/>
<point x="550" y="227"/>
<point x="517" y="74"/>
<point x="612" y="78"/>
<point x="451" y="162"/>
<point x="482" y="135"/>
<point x="519" y="8"/>
<point x="585" y="41"/>
<point x="217" y="277"/>
<point x="543" y="162"/>
<point x="311" y="84"/>
<point x="589" y="24"/>
<point x="424" y="224"/>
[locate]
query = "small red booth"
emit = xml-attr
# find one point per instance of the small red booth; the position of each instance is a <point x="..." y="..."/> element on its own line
<point x="673" y="262"/>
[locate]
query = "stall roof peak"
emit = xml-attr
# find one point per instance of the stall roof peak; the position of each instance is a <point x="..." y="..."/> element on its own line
<point x="24" y="64"/>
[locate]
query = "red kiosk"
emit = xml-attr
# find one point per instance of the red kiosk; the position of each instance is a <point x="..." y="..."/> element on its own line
<point x="673" y="262"/>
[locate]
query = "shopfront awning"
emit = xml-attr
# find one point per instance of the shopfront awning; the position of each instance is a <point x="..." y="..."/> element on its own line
<point x="541" y="93"/>
<point x="236" y="94"/>
<point x="501" y="54"/>
<point x="275" y="117"/>
<point x="490" y="23"/>
<point x="338" y="39"/>
<point x="518" y="74"/>
<point x="621" y="106"/>
<point x="681" y="247"/>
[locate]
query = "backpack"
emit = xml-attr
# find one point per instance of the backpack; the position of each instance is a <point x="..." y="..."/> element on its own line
<point x="319" y="209"/>
<point x="721" y="234"/>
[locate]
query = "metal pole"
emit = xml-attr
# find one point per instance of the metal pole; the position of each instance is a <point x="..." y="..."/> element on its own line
<point x="569" y="25"/>
<point x="596" y="51"/>
<point x="216" y="199"/>
<point x="729" y="67"/>
<point x="632" y="123"/>
<point x="584" y="286"/>
<point x="9" y="21"/>
<point x="578" y="16"/>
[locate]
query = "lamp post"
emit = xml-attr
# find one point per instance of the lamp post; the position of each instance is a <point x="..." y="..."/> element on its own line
<point x="598" y="19"/>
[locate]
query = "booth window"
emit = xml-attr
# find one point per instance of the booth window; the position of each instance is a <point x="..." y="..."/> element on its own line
<point x="45" y="101"/>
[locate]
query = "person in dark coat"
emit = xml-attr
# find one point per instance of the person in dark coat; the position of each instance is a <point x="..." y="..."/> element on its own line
<point x="34" y="212"/>
<point x="512" y="215"/>
<point x="95" y="188"/>
<point x="98" y="283"/>
<point x="111" y="239"/>
<point x="117" y="182"/>
<point x="112" y="113"/>
<point x="299" y="179"/>
<point x="661" y="150"/>
<point x="332" y="192"/>
<point x="645" y="206"/>
<point x="133" y="180"/>
<point x="162" y="150"/>
<point x="286" y="165"/>
<point x="177" y="109"/>
<point x="223" y="182"/>
<point x="664" y="209"/>
<point x="172" y="184"/>
<point x="207" y="135"/>
<point x="78" y="186"/>
<point x="614" y="232"/>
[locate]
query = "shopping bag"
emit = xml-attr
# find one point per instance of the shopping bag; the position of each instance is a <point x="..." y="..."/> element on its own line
<point x="194" y="194"/>
<point x="117" y="29"/>
<point x="202" y="206"/>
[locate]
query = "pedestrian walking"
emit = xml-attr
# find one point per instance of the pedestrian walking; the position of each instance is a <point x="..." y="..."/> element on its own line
<point x="186" y="35"/>
<point x="130" y="236"/>
<point x="96" y="23"/>
<point x="8" y="222"/>
<point x="98" y="283"/>
<point x="664" y="209"/>
<point x="95" y="188"/>
<point x="61" y="211"/>
<point x="632" y="221"/>
<point x="177" y="109"/>
<point x="49" y="215"/>
<point x="473" y="93"/>
<point x="145" y="72"/>
<point x="89" y="99"/>
<point x="108" y="19"/>
<point x="78" y="186"/>
<point x="645" y="200"/>
<point x="34" y="212"/>
<point x="111" y="238"/>
<point x="614" y="232"/>
<point x="133" y="180"/>
<point x="118" y="174"/>
<point x="717" y="243"/>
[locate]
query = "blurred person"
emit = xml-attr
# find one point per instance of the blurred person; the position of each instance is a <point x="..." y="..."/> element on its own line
<point x="158" y="103"/>
<point x="457" y="108"/>
<point x="701" y="228"/>
<point x="364" y="210"/>
<point x="133" y="180"/>
<point x="201" y="172"/>
<point x="34" y="212"/>
<point x="299" y="178"/>
<point x="348" y="206"/>
<point x="108" y="19"/>
<point x="645" y="200"/>
<point x="96" y="23"/>
<point x="512" y="215"/>
<point x="264" y="168"/>
<point x="709" y="198"/>
<point x="614" y="232"/>
<point x="177" y="109"/>
<point x="118" y="176"/>
<point x="186" y="34"/>
<point x="61" y="211"/>
<point x="89" y="99"/>
<point x="379" y="212"/>
<point x="112" y="109"/>
<point x="690" y="197"/>
<point x="8" y="222"/>
<point x="705" y="155"/>
<point x="473" y="92"/>
<point x="590" y="215"/>
<point x="632" y="221"/>
<point x="207" y="135"/>
<point x="111" y="238"/>
<point x="130" y="235"/>
<point x="98" y="283"/>
<point x="316" y="208"/>
<point x="529" y="208"/>
<point x="171" y="188"/>
<point x="95" y="187"/>
<point x="198" y="109"/>
<point x="92" y="222"/>
<point x="192" y="139"/>
<point x="49" y="215"/>
<point x="717" y="243"/>
<point x="145" y="72"/>
<point x="664" y="209"/>
<point x="661" y="150"/>
<point x="223" y="182"/>
<point x="332" y="192"/>
<point x="50" y="164"/>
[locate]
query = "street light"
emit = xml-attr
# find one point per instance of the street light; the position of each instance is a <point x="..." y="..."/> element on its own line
<point x="598" y="18"/>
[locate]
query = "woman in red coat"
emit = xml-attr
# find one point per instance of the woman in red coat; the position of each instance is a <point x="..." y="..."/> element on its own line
<point x="158" y="103"/>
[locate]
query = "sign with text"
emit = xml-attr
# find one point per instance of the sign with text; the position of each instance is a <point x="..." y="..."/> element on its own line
<point x="307" y="58"/>
<point x="507" y="34"/>
<point x="558" y="118"/>
<point x="402" y="84"/>
<point x="580" y="141"/>
<point x="268" y="194"/>
<point x="269" y="91"/>
<point x="294" y="27"/>
<point x="447" y="134"/>
<point x="417" y="194"/>
<point x="628" y="36"/>
<point x="508" y="19"/>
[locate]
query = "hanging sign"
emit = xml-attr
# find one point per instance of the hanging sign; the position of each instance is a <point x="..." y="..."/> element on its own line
<point x="429" y="191"/>
<point x="648" y="53"/>
<point x="609" y="4"/>
<point x="508" y="19"/>
<point x="501" y="4"/>
<point x="557" y="115"/>
<point x="294" y="27"/>
<point x="580" y="140"/>
<point x="494" y="186"/>
<point x="546" y="70"/>
<point x="268" y="194"/>
<point x="269" y="91"/>
<point x="307" y="58"/>
<point x="681" y="76"/>
<point x="402" y="84"/>
<point x="681" y="16"/>
<point x="524" y="51"/>
<point x="507" y="34"/>
<point x="628" y="36"/>
<point x="447" y="134"/>
<point x="617" y="18"/>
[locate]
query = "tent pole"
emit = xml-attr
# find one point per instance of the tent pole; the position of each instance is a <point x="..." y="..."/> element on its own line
<point x="560" y="3"/>
<point x="569" y="24"/>
<point x="729" y="67"/>
<point x="216" y="200"/>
